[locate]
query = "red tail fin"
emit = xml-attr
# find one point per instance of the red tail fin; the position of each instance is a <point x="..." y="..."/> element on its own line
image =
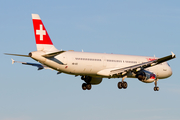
<point x="43" y="40"/>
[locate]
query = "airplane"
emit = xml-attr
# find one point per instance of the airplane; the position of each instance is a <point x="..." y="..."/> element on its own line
<point x="93" y="67"/>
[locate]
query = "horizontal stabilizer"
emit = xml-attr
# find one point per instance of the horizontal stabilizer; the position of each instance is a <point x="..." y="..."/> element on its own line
<point x="52" y="54"/>
<point x="17" y="55"/>
<point x="40" y="66"/>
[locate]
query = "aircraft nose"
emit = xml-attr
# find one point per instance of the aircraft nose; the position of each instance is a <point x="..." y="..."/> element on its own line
<point x="169" y="71"/>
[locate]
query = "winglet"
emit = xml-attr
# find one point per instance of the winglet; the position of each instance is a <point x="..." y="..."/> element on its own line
<point x="12" y="61"/>
<point x="173" y="55"/>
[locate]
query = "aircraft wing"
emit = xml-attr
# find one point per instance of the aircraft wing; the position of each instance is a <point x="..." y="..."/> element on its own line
<point x="138" y="67"/>
<point x="39" y="66"/>
<point x="134" y="68"/>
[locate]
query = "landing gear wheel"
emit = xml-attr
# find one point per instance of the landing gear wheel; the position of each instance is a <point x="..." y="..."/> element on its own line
<point x="88" y="86"/>
<point x="156" y="88"/>
<point x="124" y="85"/>
<point x="84" y="86"/>
<point x="120" y="85"/>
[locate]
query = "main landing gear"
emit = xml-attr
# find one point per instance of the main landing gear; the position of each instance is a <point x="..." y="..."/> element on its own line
<point x="122" y="84"/>
<point x="156" y="88"/>
<point x="87" y="85"/>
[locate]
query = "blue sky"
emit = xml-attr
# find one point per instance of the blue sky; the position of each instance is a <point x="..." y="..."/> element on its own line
<point x="130" y="27"/>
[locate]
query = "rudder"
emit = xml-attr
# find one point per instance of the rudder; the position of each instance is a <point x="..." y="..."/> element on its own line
<point x="43" y="41"/>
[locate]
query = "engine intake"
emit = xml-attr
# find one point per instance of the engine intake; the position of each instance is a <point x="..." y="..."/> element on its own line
<point x="146" y="76"/>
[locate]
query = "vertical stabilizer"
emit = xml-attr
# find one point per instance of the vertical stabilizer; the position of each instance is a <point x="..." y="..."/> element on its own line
<point x="43" y="41"/>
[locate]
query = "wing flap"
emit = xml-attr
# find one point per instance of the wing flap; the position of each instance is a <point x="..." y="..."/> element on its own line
<point x="134" y="68"/>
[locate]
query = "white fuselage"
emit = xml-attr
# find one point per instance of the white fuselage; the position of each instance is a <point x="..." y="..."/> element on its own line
<point x="84" y="63"/>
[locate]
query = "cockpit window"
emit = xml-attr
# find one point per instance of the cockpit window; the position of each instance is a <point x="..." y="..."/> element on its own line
<point x="168" y="64"/>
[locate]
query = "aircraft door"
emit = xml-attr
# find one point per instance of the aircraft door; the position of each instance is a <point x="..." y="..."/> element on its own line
<point x="104" y="61"/>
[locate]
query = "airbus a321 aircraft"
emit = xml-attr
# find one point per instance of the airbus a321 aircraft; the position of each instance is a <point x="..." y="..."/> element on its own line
<point x="93" y="67"/>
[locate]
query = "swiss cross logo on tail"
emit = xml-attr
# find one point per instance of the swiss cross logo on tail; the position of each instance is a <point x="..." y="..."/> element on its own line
<point x="41" y="35"/>
<point x="41" y="32"/>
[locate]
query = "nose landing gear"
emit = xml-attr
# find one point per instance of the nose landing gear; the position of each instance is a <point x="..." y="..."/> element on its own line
<point x="156" y="88"/>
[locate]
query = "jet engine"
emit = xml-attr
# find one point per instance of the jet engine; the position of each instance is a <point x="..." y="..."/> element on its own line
<point x="92" y="80"/>
<point x="95" y="80"/>
<point x="146" y="76"/>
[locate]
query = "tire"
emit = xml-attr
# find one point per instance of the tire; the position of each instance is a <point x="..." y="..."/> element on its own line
<point x="88" y="86"/>
<point x="157" y="89"/>
<point x="124" y="85"/>
<point x="84" y="86"/>
<point x="154" y="88"/>
<point x="119" y="85"/>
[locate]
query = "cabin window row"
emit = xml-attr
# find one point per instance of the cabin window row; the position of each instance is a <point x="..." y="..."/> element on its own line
<point x="130" y="61"/>
<point x="114" y="60"/>
<point x="89" y="59"/>
<point x="121" y="61"/>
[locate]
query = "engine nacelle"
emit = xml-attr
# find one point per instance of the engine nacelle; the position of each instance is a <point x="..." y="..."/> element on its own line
<point x="146" y="76"/>
<point x="92" y="80"/>
<point x="95" y="80"/>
